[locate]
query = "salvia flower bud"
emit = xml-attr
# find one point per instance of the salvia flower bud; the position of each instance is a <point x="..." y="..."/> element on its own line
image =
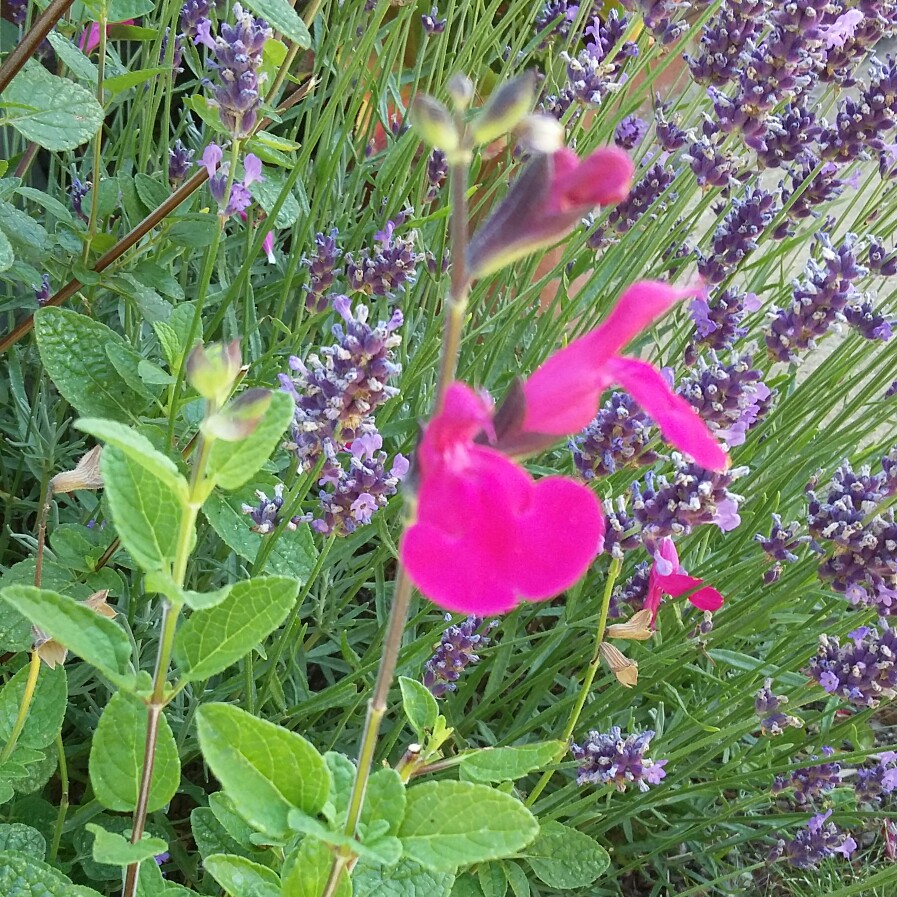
<point x="434" y="123"/>
<point x="240" y="418"/>
<point x="212" y="370"/>
<point x="505" y="108"/>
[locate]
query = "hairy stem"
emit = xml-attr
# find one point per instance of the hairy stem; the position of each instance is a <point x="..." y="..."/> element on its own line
<point x="22" y="716"/>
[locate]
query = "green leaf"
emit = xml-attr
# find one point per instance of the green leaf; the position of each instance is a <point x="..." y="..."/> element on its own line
<point x="506" y="764"/>
<point x="212" y="639"/>
<point x="307" y="869"/>
<point x="24" y="876"/>
<point x="116" y="850"/>
<point x="7" y="257"/>
<point x="406" y="879"/>
<point x="117" y="753"/>
<point x="207" y="112"/>
<point x="54" y="112"/>
<point x="383" y="848"/>
<point x="94" y="638"/>
<point x="212" y="837"/>
<point x="264" y="769"/>
<point x="384" y="800"/>
<point x="146" y="511"/>
<point x="565" y="858"/>
<point x="15" y="630"/>
<point x="450" y="824"/>
<point x="267" y="192"/>
<point x="150" y="882"/>
<point x="283" y="18"/>
<point x="127" y="362"/>
<point x="467" y="885"/>
<point x="517" y="879"/>
<point x="419" y="705"/>
<point x="162" y="583"/>
<point x="342" y="777"/>
<point x="73" y="350"/>
<point x="241" y="877"/>
<point x="127" y="80"/>
<point x="231" y="464"/>
<point x="47" y="709"/>
<point x="119" y="10"/>
<point x="152" y="192"/>
<point x="23" y="839"/>
<point x="137" y="447"/>
<point x="80" y="66"/>
<point x="236" y="827"/>
<point x="492" y="879"/>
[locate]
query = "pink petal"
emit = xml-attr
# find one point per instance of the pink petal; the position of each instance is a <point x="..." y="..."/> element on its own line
<point x="601" y="179"/>
<point x="706" y="599"/>
<point x="678" y="421"/>
<point x="268" y="247"/>
<point x="677" y="584"/>
<point x="464" y="414"/>
<point x="252" y="169"/>
<point x="90" y="38"/>
<point x="666" y="558"/>
<point x="558" y="539"/>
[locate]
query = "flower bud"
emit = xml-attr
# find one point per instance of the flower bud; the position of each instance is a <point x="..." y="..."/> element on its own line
<point x="638" y="627"/>
<point x="212" y="370"/>
<point x="434" y="123"/>
<point x="622" y="667"/>
<point x="505" y="108"/>
<point x="460" y="89"/>
<point x="238" y="419"/>
<point x="540" y="133"/>
<point x="86" y="474"/>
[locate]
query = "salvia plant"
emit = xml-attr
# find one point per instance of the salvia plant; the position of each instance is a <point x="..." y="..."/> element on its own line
<point x="449" y="448"/>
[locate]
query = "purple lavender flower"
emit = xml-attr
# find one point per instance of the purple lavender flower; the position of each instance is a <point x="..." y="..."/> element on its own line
<point x="711" y="167"/>
<point x="768" y="707"/>
<point x="809" y="190"/>
<point x="322" y="270"/>
<point x="874" y="783"/>
<point x="820" y="841"/>
<point x="618" y="759"/>
<point x="179" y="162"/>
<point x="437" y="171"/>
<point x="618" y="436"/>
<point x="77" y="192"/>
<point x="861" y="672"/>
<point x="432" y="23"/>
<point x="621" y="532"/>
<point x="455" y="652"/>
<point x="670" y="135"/>
<point x="42" y="292"/>
<point x="879" y="260"/>
<point x="723" y="41"/>
<point x="786" y="135"/>
<point x="18" y="11"/>
<point x="192" y="13"/>
<point x="631" y="594"/>
<point x="387" y="269"/>
<point x="783" y="540"/>
<point x="629" y="132"/>
<point x="810" y="783"/>
<point x="558" y="15"/>
<point x="266" y="515"/>
<point x="730" y="398"/>
<point x="863" y="317"/>
<point x="644" y="196"/>
<point x="337" y="390"/>
<point x="659" y="17"/>
<point x="718" y="319"/>
<point x="238" y="56"/>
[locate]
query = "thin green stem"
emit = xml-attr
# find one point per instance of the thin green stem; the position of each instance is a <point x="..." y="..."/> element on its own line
<point x="98" y="142"/>
<point x="63" y="799"/>
<point x="613" y="572"/>
<point x="22" y="716"/>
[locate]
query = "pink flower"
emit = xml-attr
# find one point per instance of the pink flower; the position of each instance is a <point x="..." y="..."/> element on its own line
<point x="668" y="578"/>
<point x="252" y="169"/>
<point x="842" y="29"/>
<point x="487" y="536"/>
<point x="90" y="37"/>
<point x="562" y="395"/>
<point x="211" y="158"/>
<point x="268" y="247"/>
<point x="546" y="201"/>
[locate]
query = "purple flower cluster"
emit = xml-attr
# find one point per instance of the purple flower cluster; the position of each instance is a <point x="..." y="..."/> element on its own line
<point x="238" y="57"/>
<point x="455" y="652"/>
<point x="862" y="671"/>
<point x="322" y="270"/>
<point x="781" y="543"/>
<point x="42" y="292"/>
<point x="718" y="319"/>
<point x="769" y="708"/>
<point x="690" y="497"/>
<point x="879" y="260"/>
<point x="810" y="783"/>
<point x="631" y="594"/>
<point x="847" y="39"/>
<point x="432" y="23"/>
<point x="437" y="171"/>
<point x="629" y="132"/>
<point x="266" y="515"/>
<point x="361" y="490"/>
<point x="179" y="162"/>
<point x="661" y="17"/>
<point x="786" y="136"/>
<point x="819" y="841"/>
<point x="618" y="436"/>
<point x="77" y="192"/>
<point x="874" y="783"/>
<point x="730" y="398"/>
<point x="193" y="12"/>
<point x="618" y="759"/>
<point x="621" y="531"/>
<point x="721" y="45"/>
<point x="389" y="267"/>
<point x="337" y="390"/>
<point x="239" y="198"/>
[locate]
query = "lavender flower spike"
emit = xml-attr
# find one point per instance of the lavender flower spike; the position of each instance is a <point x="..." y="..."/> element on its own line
<point x="456" y="651"/>
<point x="618" y="759"/>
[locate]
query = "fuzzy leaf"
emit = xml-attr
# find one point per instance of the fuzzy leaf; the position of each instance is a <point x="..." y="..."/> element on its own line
<point x="283" y="18"/>
<point x="46" y="712"/>
<point x="506" y="764"/>
<point x="116" y="850"/>
<point x="24" y="876"/>
<point x="564" y="858"/>
<point x="307" y="871"/>
<point x="419" y="705"/>
<point x="406" y="879"/>
<point x="241" y="877"/>
<point x="22" y="838"/>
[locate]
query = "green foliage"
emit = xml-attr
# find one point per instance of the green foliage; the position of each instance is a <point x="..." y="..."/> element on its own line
<point x="48" y="705"/>
<point x="241" y="877"/>
<point x="507" y="764"/>
<point x="308" y="869"/>
<point x="22" y="875"/>
<point x="419" y="705"/>
<point x="564" y="858"/>
<point x="115" y="850"/>
<point x="283" y="18"/>
<point x="23" y="839"/>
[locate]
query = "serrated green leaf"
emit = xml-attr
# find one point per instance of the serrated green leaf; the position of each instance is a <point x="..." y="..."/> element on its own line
<point x="54" y="112"/>
<point x="117" y="753"/>
<point x="7" y="256"/>
<point x="451" y="824"/>
<point x="127" y="362"/>
<point x="241" y="877"/>
<point x="406" y="879"/>
<point x="492" y="879"/>
<point x="212" y="639"/>
<point x="116" y="850"/>
<point x="23" y="839"/>
<point x="47" y="708"/>
<point x="307" y="869"/>
<point x="73" y="350"/>
<point x="506" y="764"/>
<point x="264" y="769"/>
<point x="283" y="18"/>
<point x="267" y="192"/>
<point x="24" y="876"/>
<point x="384" y="801"/>
<point x="146" y="511"/>
<point x="419" y="705"/>
<point x="564" y="858"/>
<point x="212" y="837"/>
<point x="28" y="239"/>
<point x="94" y="638"/>
<point x="231" y="464"/>
<point x="152" y="192"/>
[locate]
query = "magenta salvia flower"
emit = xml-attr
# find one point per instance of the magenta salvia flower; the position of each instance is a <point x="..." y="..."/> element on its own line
<point x="768" y="706"/>
<point x="359" y="489"/>
<point x="669" y="577"/>
<point x="457" y="650"/>
<point x="238" y="56"/>
<point x="179" y="162"/>
<point x="266" y="515"/>
<point x="322" y="270"/>
<point x="810" y="783"/>
<point x="618" y="759"/>
<point x="860" y="672"/>
<point x="874" y="783"/>
<point x="337" y="390"/>
<point x="820" y="841"/>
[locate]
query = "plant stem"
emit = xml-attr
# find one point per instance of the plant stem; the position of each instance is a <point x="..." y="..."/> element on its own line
<point x="613" y="572"/>
<point x="63" y="799"/>
<point x="22" y="717"/>
<point x="98" y="139"/>
<point x="27" y="46"/>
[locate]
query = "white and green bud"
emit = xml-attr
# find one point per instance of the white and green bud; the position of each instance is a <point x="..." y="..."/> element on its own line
<point x="460" y="88"/>
<point x="434" y="123"/>
<point x="213" y="370"/>
<point x="505" y="108"/>
<point x="539" y="133"/>
<point x="240" y="417"/>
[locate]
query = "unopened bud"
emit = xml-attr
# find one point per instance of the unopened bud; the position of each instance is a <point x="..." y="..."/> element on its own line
<point x="620" y="665"/>
<point x="460" y="89"/>
<point x="505" y="108"/>
<point x="86" y="474"/>
<point x="238" y="419"/>
<point x="539" y="133"/>
<point x="212" y="370"/>
<point x="637" y="627"/>
<point x="434" y="123"/>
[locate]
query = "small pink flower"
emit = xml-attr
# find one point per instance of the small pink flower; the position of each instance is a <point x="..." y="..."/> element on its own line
<point x="90" y="37"/>
<point x="268" y="247"/>
<point x="842" y="29"/>
<point x="668" y="578"/>
<point x="211" y="158"/>
<point x="252" y="170"/>
<point x="487" y="536"/>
